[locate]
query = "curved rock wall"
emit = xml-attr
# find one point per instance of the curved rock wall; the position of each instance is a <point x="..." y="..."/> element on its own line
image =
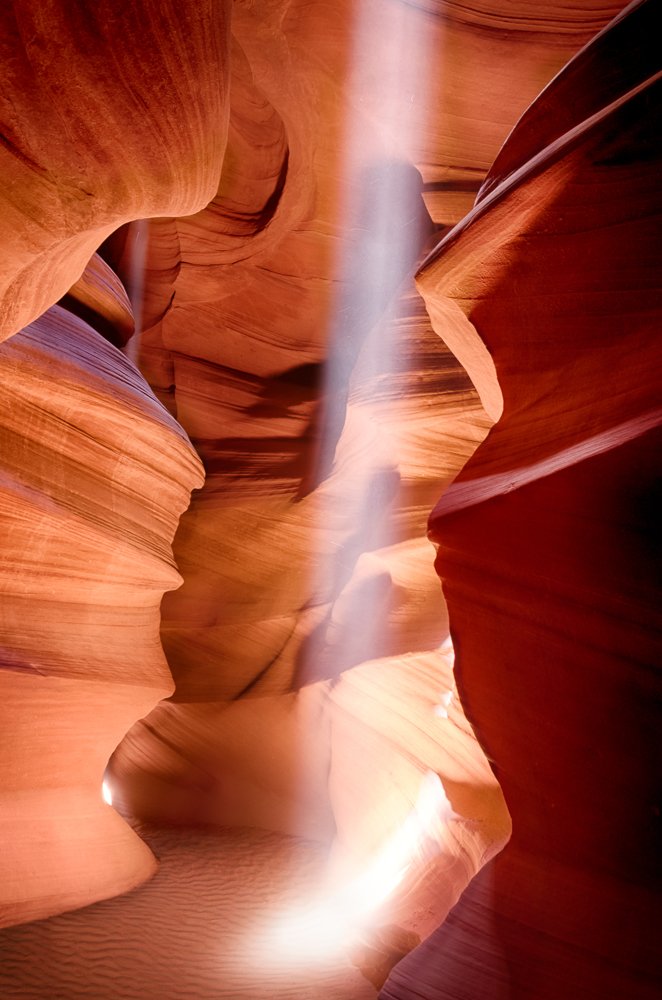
<point x="547" y="539"/>
<point x="91" y="137"/>
<point x="109" y="113"/>
<point x="281" y="329"/>
<point x="260" y="331"/>
<point x="95" y="474"/>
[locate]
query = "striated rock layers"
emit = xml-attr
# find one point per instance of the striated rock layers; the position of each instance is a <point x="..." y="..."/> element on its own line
<point x="549" y="538"/>
<point x="109" y="112"/>
<point x="327" y="419"/>
<point x="94" y="476"/>
<point x="280" y="327"/>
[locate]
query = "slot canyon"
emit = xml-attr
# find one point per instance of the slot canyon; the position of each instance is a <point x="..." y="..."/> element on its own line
<point x="330" y="437"/>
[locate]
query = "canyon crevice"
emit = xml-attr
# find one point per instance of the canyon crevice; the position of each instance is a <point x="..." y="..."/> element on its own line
<point x="294" y="294"/>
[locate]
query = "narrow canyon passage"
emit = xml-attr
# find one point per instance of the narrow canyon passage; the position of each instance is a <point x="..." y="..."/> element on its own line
<point x="305" y="308"/>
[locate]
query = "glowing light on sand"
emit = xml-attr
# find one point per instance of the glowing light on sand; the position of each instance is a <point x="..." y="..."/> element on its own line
<point x="382" y="237"/>
<point x="106" y="793"/>
<point x="329" y="927"/>
<point x="412" y="841"/>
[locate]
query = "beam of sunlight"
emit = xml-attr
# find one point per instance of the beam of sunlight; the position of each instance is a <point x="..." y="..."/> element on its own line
<point x="137" y="240"/>
<point x="384" y="227"/>
<point x="334" y="923"/>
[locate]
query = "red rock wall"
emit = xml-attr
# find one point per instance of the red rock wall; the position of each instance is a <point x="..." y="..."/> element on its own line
<point x="548" y="539"/>
<point x="549" y="294"/>
<point x="248" y="306"/>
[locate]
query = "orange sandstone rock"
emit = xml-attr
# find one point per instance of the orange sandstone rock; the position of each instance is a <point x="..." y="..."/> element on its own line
<point x="95" y="474"/>
<point x="108" y="114"/>
<point x="303" y="641"/>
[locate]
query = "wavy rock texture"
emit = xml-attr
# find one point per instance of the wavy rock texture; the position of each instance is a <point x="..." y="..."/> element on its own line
<point x="287" y="568"/>
<point x="108" y="114"/>
<point x="95" y="473"/>
<point x="281" y="328"/>
<point x="100" y="298"/>
<point x="263" y="317"/>
<point x="555" y="516"/>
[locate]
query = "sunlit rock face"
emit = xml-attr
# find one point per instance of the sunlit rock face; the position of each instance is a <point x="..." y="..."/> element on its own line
<point x="307" y="647"/>
<point x="288" y="340"/>
<point x="87" y="521"/>
<point x="326" y="418"/>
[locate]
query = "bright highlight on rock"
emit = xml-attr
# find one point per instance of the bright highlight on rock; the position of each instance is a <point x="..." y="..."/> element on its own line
<point x="334" y="925"/>
<point x="106" y="793"/>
